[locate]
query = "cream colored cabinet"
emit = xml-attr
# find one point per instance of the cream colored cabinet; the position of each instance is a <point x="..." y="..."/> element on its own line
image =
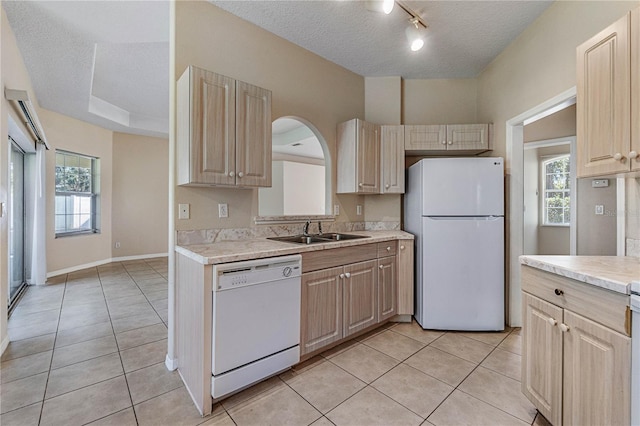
<point x="607" y="77"/>
<point x="223" y="131"/>
<point x="576" y="363"/>
<point x="321" y="322"/>
<point x="452" y="138"/>
<point x="392" y="159"/>
<point x="360" y="293"/>
<point x="358" y="157"/>
<point x="405" y="282"/>
<point x="387" y="287"/>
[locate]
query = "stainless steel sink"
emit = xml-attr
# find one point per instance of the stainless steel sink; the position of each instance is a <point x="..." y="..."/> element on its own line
<point x="314" y="239"/>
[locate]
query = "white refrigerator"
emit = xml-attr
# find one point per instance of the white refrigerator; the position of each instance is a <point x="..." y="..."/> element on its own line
<point x="455" y="209"/>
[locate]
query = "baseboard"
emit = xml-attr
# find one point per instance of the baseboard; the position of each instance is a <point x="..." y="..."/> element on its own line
<point x="4" y="344"/>
<point x="171" y="364"/>
<point x="103" y="262"/>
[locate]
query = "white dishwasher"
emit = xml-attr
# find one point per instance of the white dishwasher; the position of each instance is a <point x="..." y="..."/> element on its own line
<point x="256" y="321"/>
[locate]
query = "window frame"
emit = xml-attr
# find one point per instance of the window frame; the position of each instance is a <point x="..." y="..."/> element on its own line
<point x="93" y="195"/>
<point x="544" y="161"/>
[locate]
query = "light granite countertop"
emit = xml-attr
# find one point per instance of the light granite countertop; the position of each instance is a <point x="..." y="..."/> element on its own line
<point x="235" y="251"/>
<point x="615" y="273"/>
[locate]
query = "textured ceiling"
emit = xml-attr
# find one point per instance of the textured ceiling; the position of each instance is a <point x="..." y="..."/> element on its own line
<point x="462" y="39"/>
<point x="107" y="62"/>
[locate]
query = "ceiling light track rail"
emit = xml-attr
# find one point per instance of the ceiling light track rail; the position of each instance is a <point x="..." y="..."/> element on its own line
<point x="415" y="17"/>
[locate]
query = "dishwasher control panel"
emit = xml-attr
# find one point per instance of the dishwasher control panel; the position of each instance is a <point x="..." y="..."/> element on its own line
<point x="239" y="274"/>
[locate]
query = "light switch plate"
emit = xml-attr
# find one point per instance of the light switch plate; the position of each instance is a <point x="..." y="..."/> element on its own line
<point x="223" y="210"/>
<point x="600" y="183"/>
<point x="336" y="210"/>
<point x="359" y="210"/>
<point x="183" y="211"/>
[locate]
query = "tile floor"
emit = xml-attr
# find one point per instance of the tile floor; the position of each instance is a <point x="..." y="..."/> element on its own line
<point x="90" y="348"/>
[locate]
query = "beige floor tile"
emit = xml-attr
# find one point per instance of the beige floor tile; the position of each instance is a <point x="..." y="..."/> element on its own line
<point x="30" y="306"/>
<point x="325" y="386"/>
<point x="144" y="355"/>
<point x="364" y="362"/>
<point x="140" y="336"/>
<point x="441" y="365"/>
<point x="252" y="392"/>
<point x="26" y="416"/>
<point x="112" y="294"/>
<point x="370" y="407"/>
<point x="462" y="409"/>
<point x="25" y="366"/>
<point x="171" y="408"/>
<point x="504" y="362"/>
<point x="300" y="368"/>
<point x="492" y="338"/>
<point x="415" y="390"/>
<point x="160" y="304"/>
<point x="26" y="319"/>
<point x="121" y="418"/>
<point x="84" y="333"/>
<point x="83" y="351"/>
<point x="32" y="330"/>
<point x="99" y="306"/>
<point x="118" y="312"/>
<point x="136" y="321"/>
<point x="500" y="391"/>
<point x="155" y="294"/>
<point x="31" y="346"/>
<point x="129" y="301"/>
<point x="23" y="392"/>
<point x="337" y="350"/>
<point x="463" y="347"/>
<point x="277" y="406"/>
<point x="513" y="343"/>
<point x="68" y="322"/>
<point x="152" y="381"/>
<point x="394" y="344"/>
<point x="76" y="376"/>
<point x="413" y="330"/>
<point x="221" y="419"/>
<point x="87" y="404"/>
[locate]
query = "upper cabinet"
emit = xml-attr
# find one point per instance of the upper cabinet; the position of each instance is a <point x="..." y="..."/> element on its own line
<point x="392" y="159"/>
<point x="223" y="131"/>
<point x="452" y="138"/>
<point x="358" y="157"/>
<point x="608" y="89"/>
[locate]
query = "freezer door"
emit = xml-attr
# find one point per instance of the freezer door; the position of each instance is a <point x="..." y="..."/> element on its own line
<point x="463" y="274"/>
<point x="463" y="186"/>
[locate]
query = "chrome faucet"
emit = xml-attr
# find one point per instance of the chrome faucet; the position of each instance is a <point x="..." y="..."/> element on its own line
<point x="305" y="229"/>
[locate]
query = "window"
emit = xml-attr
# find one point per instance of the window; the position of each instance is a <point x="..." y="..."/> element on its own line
<point x="77" y="187"/>
<point x="556" y="190"/>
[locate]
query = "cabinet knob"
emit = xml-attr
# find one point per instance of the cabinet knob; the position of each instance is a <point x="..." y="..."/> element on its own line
<point x="387" y="186"/>
<point x="341" y="275"/>
<point x="388" y="248"/>
<point x="381" y="266"/>
<point x="401" y="247"/>
<point x="564" y="328"/>
<point x="558" y="292"/>
<point x="231" y="174"/>
<point x="617" y="156"/>
<point x="552" y="321"/>
<point x="444" y="142"/>
<point x="633" y="155"/>
<point x="360" y="185"/>
<point x="240" y="174"/>
<point x="450" y="143"/>
<point x="347" y="274"/>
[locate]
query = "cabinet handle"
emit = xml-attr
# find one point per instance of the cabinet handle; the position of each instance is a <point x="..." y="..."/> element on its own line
<point x="552" y="321"/>
<point x="381" y="266"/>
<point x="240" y="174"/>
<point x="387" y="186"/>
<point x="633" y="155"/>
<point x="342" y="276"/>
<point x="450" y="143"/>
<point x="347" y="274"/>
<point x="360" y="185"/>
<point x="231" y="174"/>
<point x="618" y="157"/>
<point x="401" y="247"/>
<point x="564" y="328"/>
<point x="444" y="142"/>
<point x="558" y="292"/>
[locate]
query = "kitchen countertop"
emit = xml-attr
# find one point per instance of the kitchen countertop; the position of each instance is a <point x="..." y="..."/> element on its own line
<point x="235" y="251"/>
<point x="615" y="273"/>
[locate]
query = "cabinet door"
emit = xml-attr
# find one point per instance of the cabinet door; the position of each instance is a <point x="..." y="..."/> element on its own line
<point x="360" y="296"/>
<point x="368" y="157"/>
<point x="392" y="170"/>
<point x="387" y="287"/>
<point x="635" y="89"/>
<point x="321" y="309"/>
<point x="603" y="101"/>
<point x="597" y="374"/>
<point x="425" y="138"/>
<point x="253" y="135"/>
<point x="405" y="277"/>
<point x="211" y="129"/>
<point x="542" y="357"/>
<point x="463" y="137"/>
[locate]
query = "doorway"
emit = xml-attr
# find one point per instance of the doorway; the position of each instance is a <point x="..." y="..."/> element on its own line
<point x="16" y="223"/>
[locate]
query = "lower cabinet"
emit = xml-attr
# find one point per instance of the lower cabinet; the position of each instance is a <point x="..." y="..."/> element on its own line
<point x="387" y="288"/>
<point x="360" y="296"/>
<point x="575" y="370"/>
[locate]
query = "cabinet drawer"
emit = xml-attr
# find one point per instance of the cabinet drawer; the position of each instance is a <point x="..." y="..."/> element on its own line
<point x="323" y="259"/>
<point x="603" y="306"/>
<point x="387" y="248"/>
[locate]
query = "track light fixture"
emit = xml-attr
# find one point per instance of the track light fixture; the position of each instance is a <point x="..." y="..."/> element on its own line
<point x="384" y="6"/>
<point x="415" y="31"/>
<point x="414" y="35"/>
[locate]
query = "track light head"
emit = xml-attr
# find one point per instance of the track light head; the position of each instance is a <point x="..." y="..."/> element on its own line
<point x="415" y="35"/>
<point x="384" y="6"/>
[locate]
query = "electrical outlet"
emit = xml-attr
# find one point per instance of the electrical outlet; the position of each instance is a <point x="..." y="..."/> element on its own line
<point x="117" y="244"/>
<point x="183" y="211"/>
<point x="600" y="183"/>
<point x="223" y="210"/>
<point x="336" y="210"/>
<point x="359" y="210"/>
<point x="599" y="209"/>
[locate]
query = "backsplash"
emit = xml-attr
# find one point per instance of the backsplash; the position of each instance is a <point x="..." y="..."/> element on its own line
<point x="633" y="247"/>
<point x="207" y="236"/>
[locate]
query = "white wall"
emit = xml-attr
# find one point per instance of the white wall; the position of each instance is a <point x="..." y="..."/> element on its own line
<point x="303" y="187"/>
